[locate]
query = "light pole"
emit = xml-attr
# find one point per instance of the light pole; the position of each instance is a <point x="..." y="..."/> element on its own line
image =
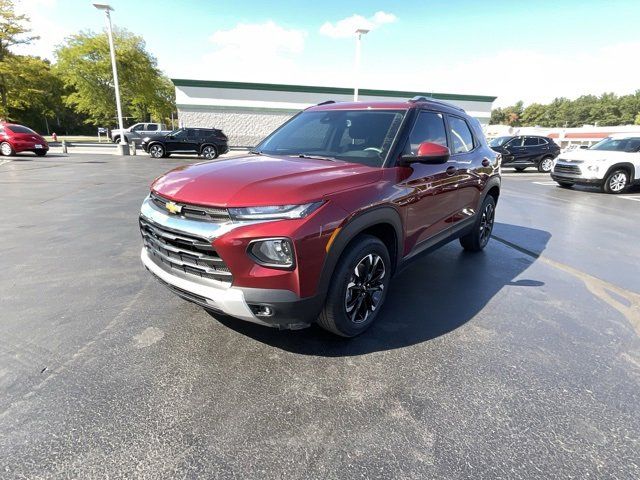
<point x="123" y="148"/>
<point x="359" y="33"/>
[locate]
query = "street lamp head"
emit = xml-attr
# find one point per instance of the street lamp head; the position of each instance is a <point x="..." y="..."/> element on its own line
<point x="362" y="31"/>
<point x="103" y="6"/>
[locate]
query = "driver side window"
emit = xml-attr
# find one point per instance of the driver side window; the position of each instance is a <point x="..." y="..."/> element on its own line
<point x="429" y="127"/>
<point x="181" y="135"/>
<point x="514" y="142"/>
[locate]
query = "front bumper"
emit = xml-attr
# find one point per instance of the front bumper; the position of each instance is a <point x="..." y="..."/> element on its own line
<point x="288" y="310"/>
<point x="576" y="180"/>
<point x="227" y="300"/>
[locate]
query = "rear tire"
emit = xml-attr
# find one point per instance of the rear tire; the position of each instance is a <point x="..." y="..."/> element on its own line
<point x="358" y="288"/>
<point x="6" y="149"/>
<point x="520" y="169"/>
<point x="478" y="238"/>
<point x="156" y="151"/>
<point x="565" y="184"/>
<point x="209" y="152"/>
<point x="545" y="165"/>
<point x="616" y="182"/>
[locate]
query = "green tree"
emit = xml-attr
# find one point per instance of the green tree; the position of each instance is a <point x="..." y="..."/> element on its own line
<point x="84" y="66"/>
<point x="498" y="117"/>
<point x="12" y="32"/>
<point x="535" y="114"/>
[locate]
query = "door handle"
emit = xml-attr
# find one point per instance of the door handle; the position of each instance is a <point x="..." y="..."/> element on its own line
<point x="451" y="170"/>
<point x="486" y="162"/>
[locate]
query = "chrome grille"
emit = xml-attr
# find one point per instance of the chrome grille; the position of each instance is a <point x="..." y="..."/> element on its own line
<point x="210" y="214"/>
<point x="570" y="169"/>
<point x="184" y="252"/>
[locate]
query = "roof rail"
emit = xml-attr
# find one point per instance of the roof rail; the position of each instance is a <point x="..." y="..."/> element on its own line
<point x="327" y="102"/>
<point x="422" y="98"/>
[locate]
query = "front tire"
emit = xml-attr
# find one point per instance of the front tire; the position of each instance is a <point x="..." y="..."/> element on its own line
<point x="478" y="238"/>
<point x="358" y="288"/>
<point x="156" y="151"/>
<point x="565" y="184"/>
<point x="520" y="169"/>
<point x="40" y="153"/>
<point x="616" y="182"/>
<point x="545" y="165"/>
<point x="6" y="149"/>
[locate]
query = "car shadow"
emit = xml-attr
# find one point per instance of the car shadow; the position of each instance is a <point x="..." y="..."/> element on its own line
<point x="430" y="297"/>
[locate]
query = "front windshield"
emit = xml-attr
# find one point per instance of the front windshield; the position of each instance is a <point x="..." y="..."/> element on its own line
<point x="359" y="136"/>
<point x="630" y="144"/>
<point x="499" y="141"/>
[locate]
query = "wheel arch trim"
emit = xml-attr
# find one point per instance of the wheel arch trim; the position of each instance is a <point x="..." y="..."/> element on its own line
<point x="356" y="225"/>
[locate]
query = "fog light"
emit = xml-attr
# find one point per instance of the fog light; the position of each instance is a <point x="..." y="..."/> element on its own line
<point x="262" y="310"/>
<point x="272" y="252"/>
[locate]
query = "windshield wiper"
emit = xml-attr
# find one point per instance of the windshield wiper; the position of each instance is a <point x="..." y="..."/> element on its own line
<point x="315" y="157"/>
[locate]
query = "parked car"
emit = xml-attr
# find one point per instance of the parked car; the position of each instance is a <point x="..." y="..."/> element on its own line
<point x="613" y="164"/>
<point x="313" y="223"/>
<point x="16" y="138"/>
<point x="524" y="151"/>
<point x="135" y="133"/>
<point x="208" y="142"/>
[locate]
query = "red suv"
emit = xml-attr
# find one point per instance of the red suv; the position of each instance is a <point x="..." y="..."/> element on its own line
<point x="313" y="223"/>
<point x="18" y="138"/>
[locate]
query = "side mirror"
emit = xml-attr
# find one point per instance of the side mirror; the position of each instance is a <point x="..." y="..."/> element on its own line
<point x="428" y="152"/>
<point x="584" y="147"/>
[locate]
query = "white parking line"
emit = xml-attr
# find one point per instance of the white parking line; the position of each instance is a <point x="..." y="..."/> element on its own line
<point x="2" y="162"/>
<point x="545" y="183"/>
<point x="635" y="198"/>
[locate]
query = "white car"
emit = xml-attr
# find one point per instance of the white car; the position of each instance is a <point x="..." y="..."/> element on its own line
<point x="612" y="164"/>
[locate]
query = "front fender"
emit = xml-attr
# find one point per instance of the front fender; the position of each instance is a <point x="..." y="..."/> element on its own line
<point x="387" y="215"/>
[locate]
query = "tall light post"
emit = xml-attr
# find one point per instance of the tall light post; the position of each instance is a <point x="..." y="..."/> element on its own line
<point x="359" y="33"/>
<point x="123" y="148"/>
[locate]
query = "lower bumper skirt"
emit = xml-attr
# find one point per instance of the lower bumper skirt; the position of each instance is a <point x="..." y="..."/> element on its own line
<point x="289" y="311"/>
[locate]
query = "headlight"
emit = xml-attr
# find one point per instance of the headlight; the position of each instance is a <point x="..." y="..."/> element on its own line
<point x="272" y="252"/>
<point x="275" y="212"/>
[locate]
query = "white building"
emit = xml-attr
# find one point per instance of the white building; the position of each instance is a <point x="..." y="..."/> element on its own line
<point x="247" y="112"/>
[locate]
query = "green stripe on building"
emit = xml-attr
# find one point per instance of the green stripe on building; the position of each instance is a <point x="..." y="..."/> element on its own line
<point x="277" y="87"/>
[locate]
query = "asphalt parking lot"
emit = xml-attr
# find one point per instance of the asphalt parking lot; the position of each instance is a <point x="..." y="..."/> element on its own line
<point x="520" y="362"/>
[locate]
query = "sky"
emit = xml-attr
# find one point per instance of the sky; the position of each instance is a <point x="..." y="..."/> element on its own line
<point x="515" y="50"/>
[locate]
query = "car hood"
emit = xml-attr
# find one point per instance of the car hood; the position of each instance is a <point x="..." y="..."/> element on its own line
<point x="261" y="180"/>
<point x="585" y="155"/>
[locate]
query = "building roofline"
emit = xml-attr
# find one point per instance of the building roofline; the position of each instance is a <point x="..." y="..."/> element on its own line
<point x="278" y="87"/>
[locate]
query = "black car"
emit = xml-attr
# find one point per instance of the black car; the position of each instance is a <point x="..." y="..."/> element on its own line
<point x="208" y="142"/>
<point x="524" y="151"/>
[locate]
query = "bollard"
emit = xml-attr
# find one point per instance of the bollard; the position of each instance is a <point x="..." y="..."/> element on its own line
<point x="64" y="146"/>
<point x="132" y="148"/>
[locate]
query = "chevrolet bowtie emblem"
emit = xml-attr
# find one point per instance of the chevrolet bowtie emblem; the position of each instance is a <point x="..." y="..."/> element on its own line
<point x="173" y="207"/>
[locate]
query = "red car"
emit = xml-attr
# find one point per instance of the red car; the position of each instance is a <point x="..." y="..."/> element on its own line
<point x="18" y="138"/>
<point x="313" y="223"/>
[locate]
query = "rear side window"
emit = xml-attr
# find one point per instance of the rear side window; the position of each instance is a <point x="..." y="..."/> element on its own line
<point x="531" y="142"/>
<point x="461" y="136"/>
<point x="429" y="127"/>
<point x="152" y="126"/>
<point x="20" y="129"/>
<point x="191" y="134"/>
